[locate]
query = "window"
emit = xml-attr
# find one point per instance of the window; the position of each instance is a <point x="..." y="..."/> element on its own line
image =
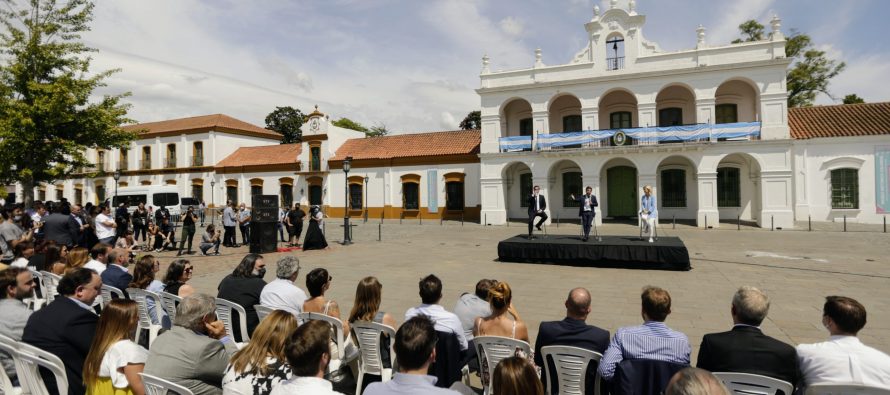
<point x="728" y="188"/>
<point x="315" y="159"/>
<point x="198" y="192"/>
<point x="171" y="156"/>
<point x="59" y="194"/>
<point x="78" y="196"/>
<point x="100" y="194"/>
<point x="571" y="123"/>
<point x="165" y="199"/>
<point x="100" y="161"/>
<point x="845" y="189"/>
<point x="315" y="193"/>
<point x="615" y="53"/>
<point x="146" y="158"/>
<point x="124" y="159"/>
<point x="198" y="154"/>
<point x="454" y="195"/>
<point x="670" y="116"/>
<point x="620" y="120"/>
<point x="571" y="184"/>
<point x="355" y="196"/>
<point x="411" y="195"/>
<point x="132" y="200"/>
<point x="256" y="190"/>
<point x="41" y="194"/>
<point x="232" y="193"/>
<point x="727" y="113"/>
<point x="673" y="188"/>
<point x="525" y="188"/>
<point x="287" y="195"/>
<point x="525" y="127"/>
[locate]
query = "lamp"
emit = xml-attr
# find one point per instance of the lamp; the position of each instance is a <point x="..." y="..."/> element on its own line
<point x="117" y="177"/>
<point x="366" y="197"/>
<point x="347" y="165"/>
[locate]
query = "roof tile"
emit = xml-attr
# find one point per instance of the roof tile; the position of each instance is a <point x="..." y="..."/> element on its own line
<point x="867" y="119"/>
<point x="456" y="142"/>
<point x="203" y="122"/>
<point x="262" y="155"/>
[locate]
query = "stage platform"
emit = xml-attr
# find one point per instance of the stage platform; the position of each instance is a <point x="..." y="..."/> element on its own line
<point x="667" y="253"/>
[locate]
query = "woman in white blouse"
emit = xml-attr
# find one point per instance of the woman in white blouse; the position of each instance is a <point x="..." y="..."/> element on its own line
<point x="261" y="365"/>
<point x="113" y="365"/>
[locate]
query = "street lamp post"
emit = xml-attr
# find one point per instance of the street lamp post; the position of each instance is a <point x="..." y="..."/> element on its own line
<point x="366" y="198"/>
<point x="347" y="163"/>
<point x="117" y="177"/>
<point x="213" y="202"/>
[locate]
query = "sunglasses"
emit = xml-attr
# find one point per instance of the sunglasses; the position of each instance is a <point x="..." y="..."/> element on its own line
<point x="189" y="269"/>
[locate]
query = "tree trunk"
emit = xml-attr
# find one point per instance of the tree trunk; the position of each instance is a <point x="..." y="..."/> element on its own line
<point x="27" y="193"/>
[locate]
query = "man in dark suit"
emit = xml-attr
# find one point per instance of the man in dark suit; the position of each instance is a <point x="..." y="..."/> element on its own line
<point x="586" y="210"/>
<point x="745" y="349"/>
<point x="536" y="206"/>
<point x="61" y="227"/>
<point x="572" y="331"/>
<point x="116" y="275"/>
<point x="66" y="326"/>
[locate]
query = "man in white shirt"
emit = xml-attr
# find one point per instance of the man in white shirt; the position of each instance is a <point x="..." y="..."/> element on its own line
<point x="308" y="353"/>
<point x="843" y="358"/>
<point x="430" y="295"/>
<point x="282" y="293"/>
<point x="99" y="255"/>
<point x="105" y="226"/>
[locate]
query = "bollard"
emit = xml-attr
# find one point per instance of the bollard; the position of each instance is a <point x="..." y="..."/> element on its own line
<point x="772" y="222"/>
<point x="557" y="220"/>
<point x="885" y="224"/>
<point x="420" y="217"/>
<point x="486" y="219"/>
<point x="461" y="218"/>
<point x="379" y="232"/>
<point x="402" y="215"/>
<point x="738" y="222"/>
<point x="381" y="217"/>
<point x="441" y="219"/>
<point x="674" y="222"/>
<point x="706" y="222"/>
<point x="845" y="223"/>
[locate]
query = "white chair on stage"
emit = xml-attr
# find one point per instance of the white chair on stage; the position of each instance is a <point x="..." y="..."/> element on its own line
<point x="11" y="348"/>
<point x="158" y="386"/>
<point x="262" y="311"/>
<point x="571" y="369"/>
<point x="169" y="302"/>
<point x="109" y="293"/>
<point x="146" y="321"/>
<point x="368" y="336"/>
<point x="845" y="389"/>
<point x="492" y="349"/>
<point x="753" y="384"/>
<point x="32" y="359"/>
<point x="224" y="310"/>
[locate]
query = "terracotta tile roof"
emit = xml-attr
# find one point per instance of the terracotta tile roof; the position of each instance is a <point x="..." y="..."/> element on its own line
<point x="279" y="154"/>
<point x="456" y="142"/>
<point x="867" y="119"/>
<point x="203" y="123"/>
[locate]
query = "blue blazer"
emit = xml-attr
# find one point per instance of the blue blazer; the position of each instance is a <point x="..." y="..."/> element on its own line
<point x="649" y="204"/>
<point x="575" y="333"/>
<point x="117" y="278"/>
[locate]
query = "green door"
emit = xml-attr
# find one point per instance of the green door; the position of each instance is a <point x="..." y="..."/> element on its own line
<point x="622" y="190"/>
<point x="315" y="195"/>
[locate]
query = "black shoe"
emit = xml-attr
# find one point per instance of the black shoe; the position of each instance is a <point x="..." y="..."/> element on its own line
<point x="584" y="239"/>
<point x="538" y="226"/>
<point x="531" y="237"/>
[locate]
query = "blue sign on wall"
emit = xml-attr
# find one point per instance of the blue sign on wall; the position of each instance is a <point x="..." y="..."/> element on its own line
<point x="432" y="191"/>
<point x="882" y="179"/>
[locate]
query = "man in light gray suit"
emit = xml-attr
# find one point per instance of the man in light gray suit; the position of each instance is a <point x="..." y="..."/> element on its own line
<point x="196" y="351"/>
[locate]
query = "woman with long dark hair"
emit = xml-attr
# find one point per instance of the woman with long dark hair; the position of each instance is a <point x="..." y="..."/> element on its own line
<point x="368" y="295"/>
<point x="144" y="273"/>
<point x="140" y="223"/>
<point x="315" y="239"/>
<point x="516" y="376"/>
<point x="114" y="362"/>
<point x="178" y="274"/>
<point x="243" y="287"/>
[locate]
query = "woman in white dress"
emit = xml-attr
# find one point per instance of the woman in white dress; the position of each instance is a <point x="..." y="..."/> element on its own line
<point x="261" y="365"/>
<point x="114" y="362"/>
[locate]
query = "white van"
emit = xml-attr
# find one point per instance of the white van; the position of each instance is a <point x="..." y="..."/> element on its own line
<point x="154" y="197"/>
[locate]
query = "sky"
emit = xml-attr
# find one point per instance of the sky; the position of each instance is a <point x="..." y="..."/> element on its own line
<point x="413" y="65"/>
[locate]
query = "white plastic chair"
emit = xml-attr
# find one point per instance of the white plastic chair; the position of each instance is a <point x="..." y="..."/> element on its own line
<point x="262" y="311"/>
<point x="338" y="337"/>
<point x="753" y="384"/>
<point x="571" y="369"/>
<point x="11" y="348"/>
<point x="49" y="284"/>
<point x="845" y="389"/>
<point x="109" y="293"/>
<point x="368" y="335"/>
<point x="170" y="301"/>
<point x="35" y="302"/>
<point x="141" y="296"/>
<point x="494" y="349"/>
<point x="158" y="386"/>
<point x="224" y="313"/>
<point x="32" y="359"/>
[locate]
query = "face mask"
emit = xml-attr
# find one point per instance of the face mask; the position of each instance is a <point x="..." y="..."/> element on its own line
<point x="260" y="273"/>
<point x="17" y="218"/>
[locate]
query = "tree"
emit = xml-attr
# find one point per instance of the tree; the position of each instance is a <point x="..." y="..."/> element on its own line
<point x="378" y="130"/>
<point x="347" y="123"/>
<point x="287" y="121"/>
<point x="811" y="70"/>
<point x="47" y="120"/>
<point x="853" y="99"/>
<point x="473" y="120"/>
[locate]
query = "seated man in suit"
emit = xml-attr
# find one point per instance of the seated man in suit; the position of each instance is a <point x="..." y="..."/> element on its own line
<point x="651" y="341"/>
<point x="195" y="352"/>
<point x="843" y="358"/>
<point x="572" y="331"/>
<point x="745" y="349"/>
<point x="537" y="206"/>
<point x="66" y="326"/>
<point x="116" y="275"/>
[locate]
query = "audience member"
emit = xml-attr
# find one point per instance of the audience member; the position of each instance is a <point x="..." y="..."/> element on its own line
<point x="415" y="347"/>
<point x="694" y="381"/>
<point x="126" y="241"/>
<point x="843" y="358"/>
<point x="516" y="376"/>
<point x="99" y="255"/>
<point x="22" y="255"/>
<point x="115" y="361"/>
<point x="210" y="239"/>
<point x="368" y="296"/>
<point x="745" y="349"/>
<point x="318" y="281"/>
<point x="37" y="261"/>
<point x="445" y="321"/>
<point x="77" y="258"/>
<point x="144" y="273"/>
<point x="244" y="223"/>
<point x="229" y="221"/>
<point x="16" y="285"/>
<point x="178" y="274"/>
<point x="282" y="293"/>
<point x="12" y="233"/>
<point x="105" y="225"/>
<point x="244" y="287"/>
<point x="165" y="237"/>
<point x="61" y="227"/>
<point x="117" y="275"/>
<point x="470" y="306"/>
<point x="262" y="365"/>
<point x="54" y="258"/>
<point x="500" y="297"/>
<point x="196" y="351"/>
<point x="308" y="353"/>
<point x="653" y="340"/>
<point x="572" y="331"/>
<point x="66" y="326"/>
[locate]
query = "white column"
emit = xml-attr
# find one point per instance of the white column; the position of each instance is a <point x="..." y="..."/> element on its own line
<point x="494" y="209"/>
<point x="776" y="199"/>
<point x="707" y="200"/>
<point x="590" y="118"/>
<point x="774" y="116"/>
<point x="646" y="115"/>
<point x="491" y="132"/>
<point x="705" y="110"/>
<point x="541" y="124"/>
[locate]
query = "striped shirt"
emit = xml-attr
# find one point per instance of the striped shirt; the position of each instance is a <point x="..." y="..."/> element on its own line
<point x="652" y="340"/>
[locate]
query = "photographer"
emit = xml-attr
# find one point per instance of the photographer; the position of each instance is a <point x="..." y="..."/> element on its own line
<point x="210" y="239"/>
<point x="188" y="230"/>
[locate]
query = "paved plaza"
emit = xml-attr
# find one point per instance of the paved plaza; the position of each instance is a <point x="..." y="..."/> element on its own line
<point x="795" y="267"/>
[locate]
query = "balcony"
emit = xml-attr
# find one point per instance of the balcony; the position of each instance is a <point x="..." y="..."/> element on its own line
<point x="615" y="63"/>
<point x="170" y="163"/>
<point x="145" y="165"/>
<point x="197" y="161"/>
<point x="594" y="139"/>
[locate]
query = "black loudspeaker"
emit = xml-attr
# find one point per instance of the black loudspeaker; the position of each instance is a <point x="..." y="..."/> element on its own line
<point x="263" y="238"/>
<point x="264" y="208"/>
<point x="264" y="201"/>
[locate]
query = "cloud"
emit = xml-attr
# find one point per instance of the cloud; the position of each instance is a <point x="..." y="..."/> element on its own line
<point x="726" y="27"/>
<point x="448" y="121"/>
<point x="512" y="26"/>
<point x="859" y="77"/>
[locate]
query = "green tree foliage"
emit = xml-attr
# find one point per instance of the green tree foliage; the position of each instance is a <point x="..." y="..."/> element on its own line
<point x="378" y="130"/>
<point x="473" y="120"/>
<point x="347" y="123"/>
<point x="287" y="121"/>
<point x="853" y="99"/>
<point x="811" y="70"/>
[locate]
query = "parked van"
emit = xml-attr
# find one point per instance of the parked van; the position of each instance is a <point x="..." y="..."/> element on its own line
<point x="154" y="197"/>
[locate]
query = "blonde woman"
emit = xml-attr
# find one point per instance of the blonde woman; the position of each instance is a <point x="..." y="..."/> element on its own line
<point x="77" y="257"/>
<point x="648" y="211"/>
<point x="113" y="365"/>
<point x="261" y="365"/>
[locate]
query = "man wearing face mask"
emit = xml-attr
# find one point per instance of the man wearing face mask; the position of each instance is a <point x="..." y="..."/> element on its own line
<point x="244" y="287"/>
<point x="12" y="233"/>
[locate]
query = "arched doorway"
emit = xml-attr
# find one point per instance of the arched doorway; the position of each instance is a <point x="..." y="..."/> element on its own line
<point x="565" y="114"/>
<point x="518" y="185"/>
<point x="621" y="188"/>
<point x="566" y="179"/>
<point x="676" y="106"/>
<point x="738" y="188"/>
<point x="677" y="191"/>
<point x="516" y="118"/>
<point x="736" y="101"/>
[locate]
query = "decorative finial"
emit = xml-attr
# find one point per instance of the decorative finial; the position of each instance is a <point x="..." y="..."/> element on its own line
<point x="632" y="7"/>
<point x="485" y="63"/>
<point x="316" y="107"/>
<point x="613" y="4"/>
<point x="700" y="32"/>
<point x="776" y="24"/>
<point x="596" y="11"/>
<point x="539" y="58"/>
